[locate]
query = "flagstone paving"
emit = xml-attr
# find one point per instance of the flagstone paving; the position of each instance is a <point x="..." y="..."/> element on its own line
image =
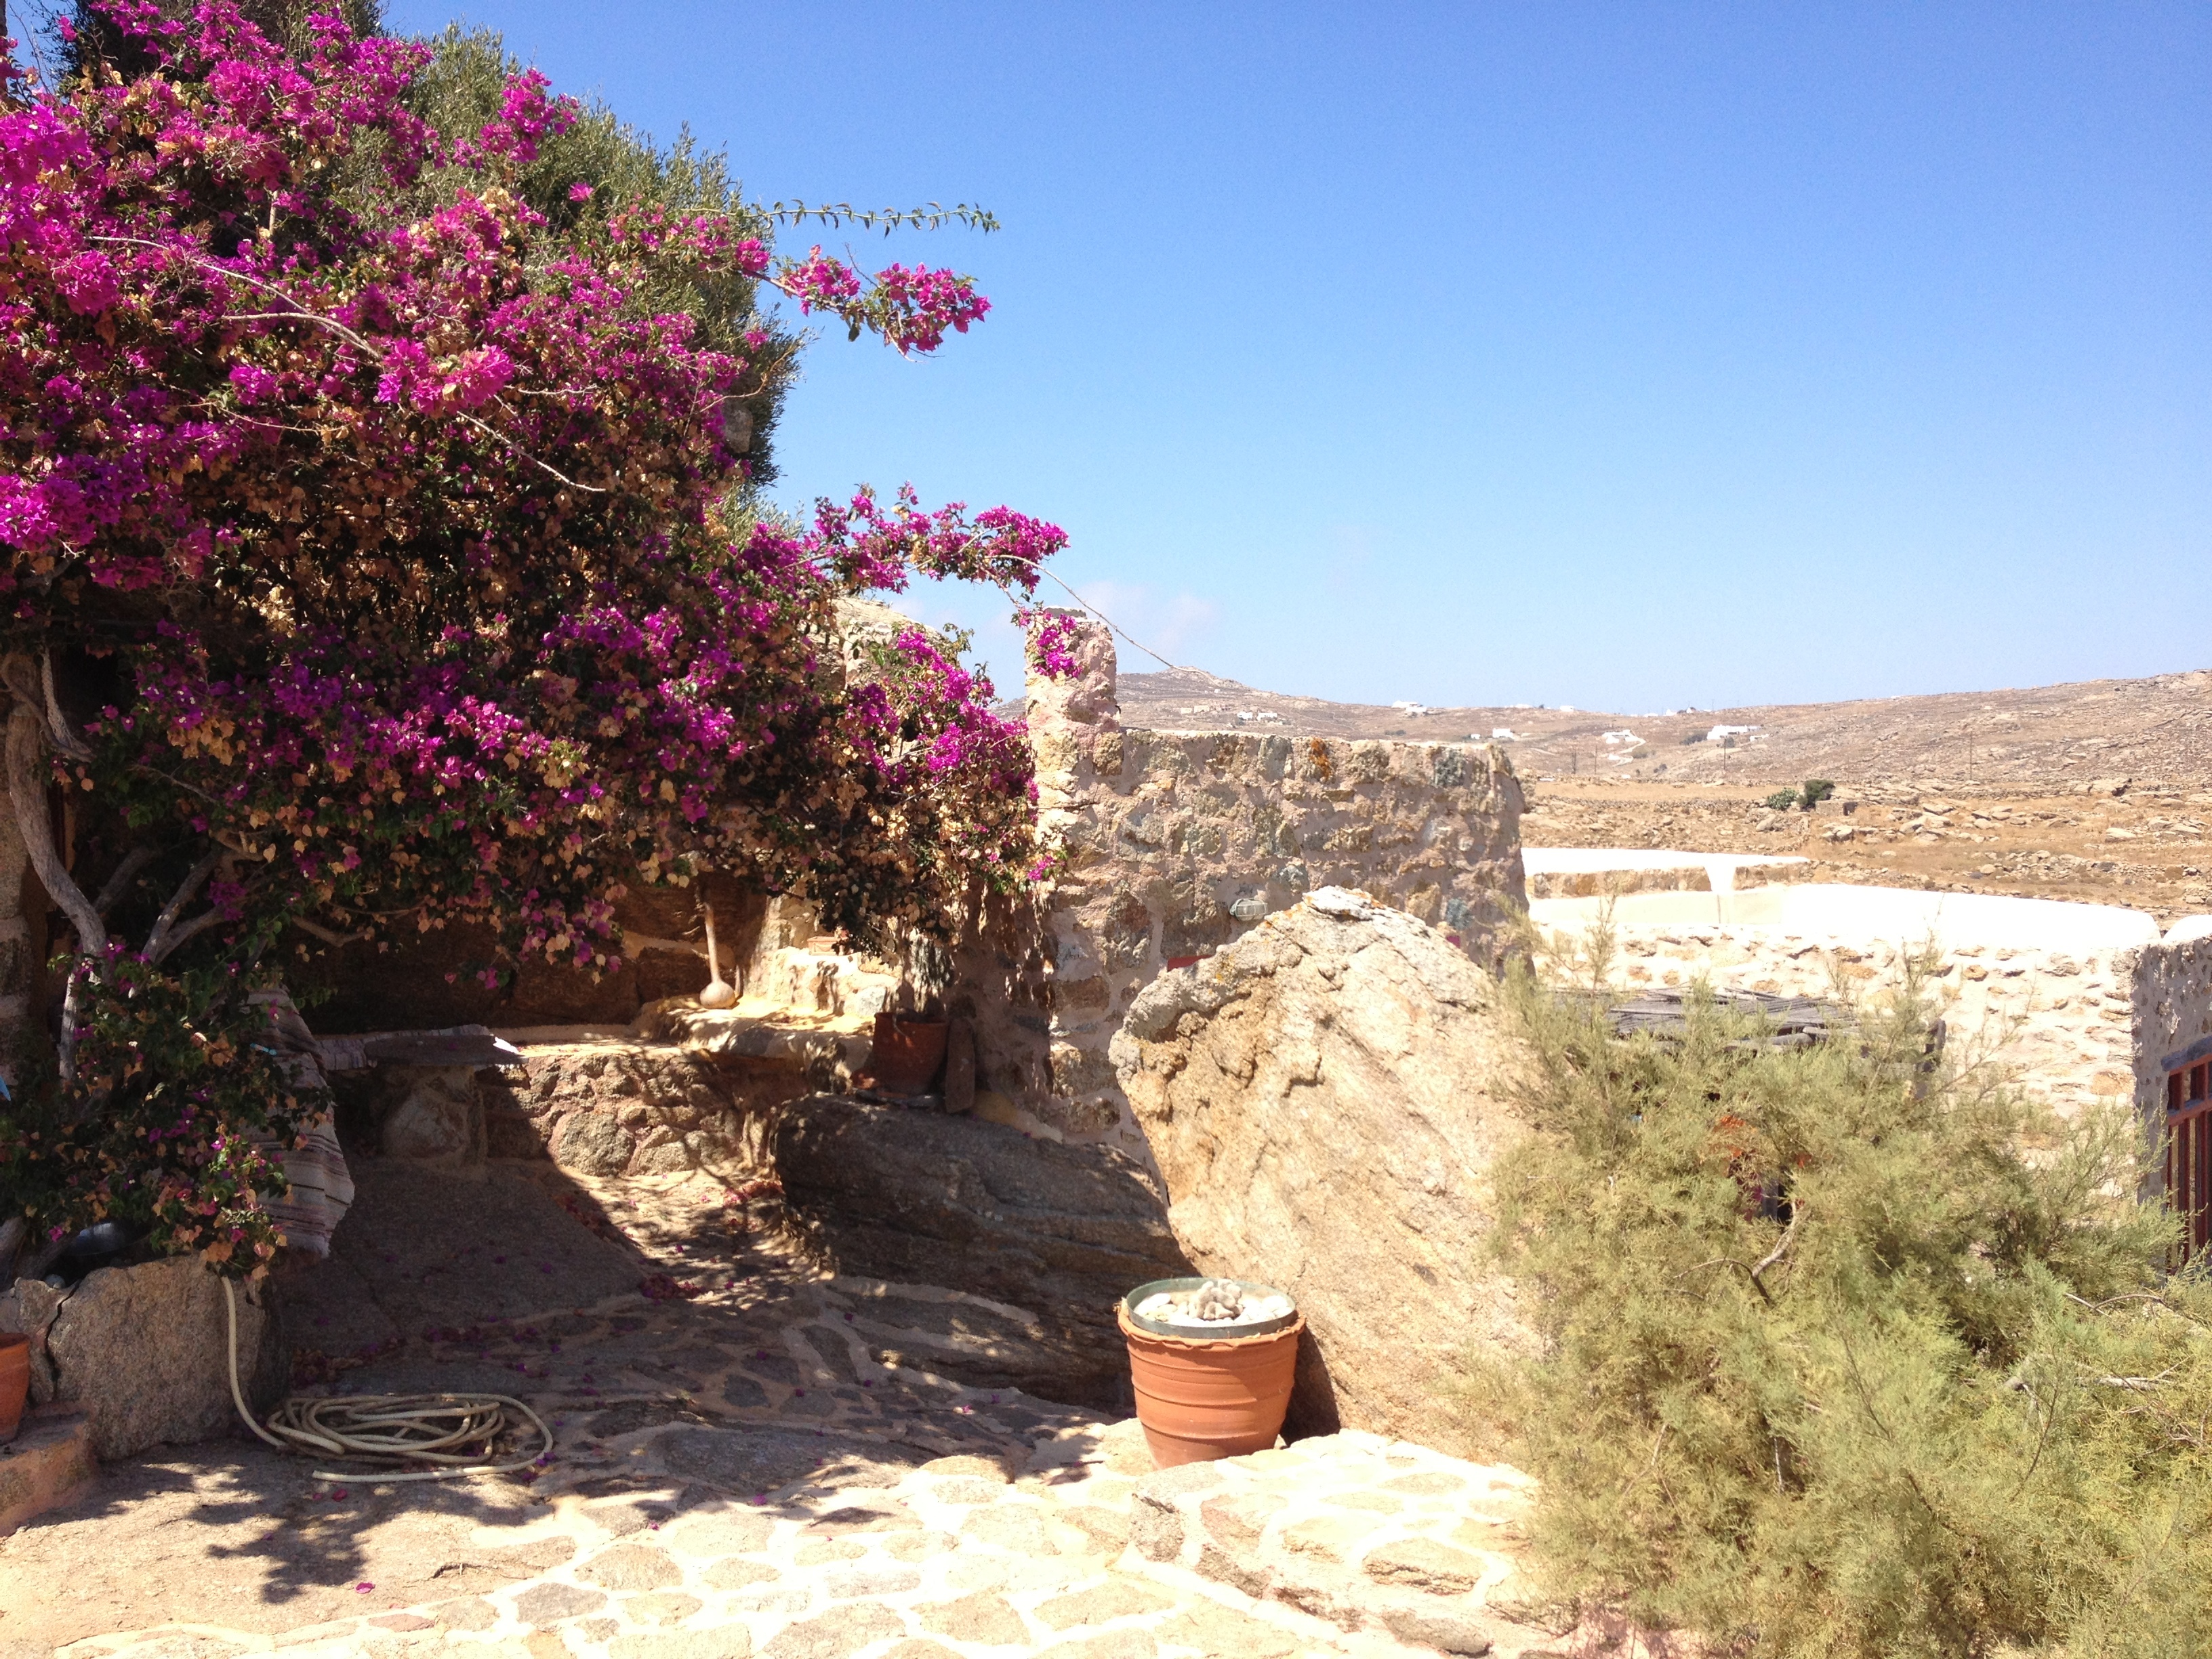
<point x="751" y="1458"/>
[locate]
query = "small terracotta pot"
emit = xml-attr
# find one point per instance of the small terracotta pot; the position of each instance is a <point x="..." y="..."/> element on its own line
<point x="15" y="1381"/>
<point x="1201" y="1398"/>
<point x="908" y="1053"/>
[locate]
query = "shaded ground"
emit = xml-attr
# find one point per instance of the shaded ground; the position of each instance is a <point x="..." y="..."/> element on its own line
<point x="693" y="1335"/>
<point x="739" y="1469"/>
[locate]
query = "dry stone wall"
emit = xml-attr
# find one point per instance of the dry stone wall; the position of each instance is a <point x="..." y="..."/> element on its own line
<point x="2064" y="1021"/>
<point x="1169" y="845"/>
<point x="612" y="1108"/>
<point x="2171" y="1018"/>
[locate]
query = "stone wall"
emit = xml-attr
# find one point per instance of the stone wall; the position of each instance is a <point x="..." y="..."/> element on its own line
<point x="612" y="1108"/>
<point x="2064" y="1018"/>
<point x="434" y="980"/>
<point x="2173" y="1018"/>
<point x="1168" y="845"/>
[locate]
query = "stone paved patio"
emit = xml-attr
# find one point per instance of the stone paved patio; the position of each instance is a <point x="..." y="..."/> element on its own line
<point x="751" y="1458"/>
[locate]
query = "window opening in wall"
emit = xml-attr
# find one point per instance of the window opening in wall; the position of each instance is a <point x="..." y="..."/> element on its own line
<point x="2189" y="1152"/>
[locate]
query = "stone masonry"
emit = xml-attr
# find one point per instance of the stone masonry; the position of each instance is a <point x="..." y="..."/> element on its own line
<point x="1168" y="845"/>
<point x="2081" y="1021"/>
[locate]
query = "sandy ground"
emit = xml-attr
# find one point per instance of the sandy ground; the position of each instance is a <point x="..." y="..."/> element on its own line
<point x="2144" y="849"/>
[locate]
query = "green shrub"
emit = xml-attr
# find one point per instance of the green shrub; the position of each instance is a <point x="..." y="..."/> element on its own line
<point x="1832" y="1366"/>
<point x="1781" y="800"/>
<point x="175" y="1121"/>
<point x="1815" y="791"/>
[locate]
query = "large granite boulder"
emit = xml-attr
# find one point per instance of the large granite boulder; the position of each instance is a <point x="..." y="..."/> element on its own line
<point x="1058" y="1233"/>
<point x="146" y="1351"/>
<point x="1325" y="1098"/>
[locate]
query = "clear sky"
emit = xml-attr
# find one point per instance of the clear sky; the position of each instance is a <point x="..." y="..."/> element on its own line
<point x="1621" y="355"/>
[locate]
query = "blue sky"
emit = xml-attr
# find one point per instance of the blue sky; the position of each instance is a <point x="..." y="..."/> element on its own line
<point x="1620" y="355"/>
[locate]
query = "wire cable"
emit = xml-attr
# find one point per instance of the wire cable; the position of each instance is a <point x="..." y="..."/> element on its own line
<point x="390" y="1428"/>
<point x="1085" y="604"/>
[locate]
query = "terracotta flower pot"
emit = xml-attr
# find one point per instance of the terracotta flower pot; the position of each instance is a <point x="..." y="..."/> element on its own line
<point x="15" y="1381"/>
<point x="1202" y="1397"/>
<point x="908" y="1053"/>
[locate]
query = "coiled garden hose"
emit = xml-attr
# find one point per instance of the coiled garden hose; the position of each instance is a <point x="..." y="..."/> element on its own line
<point x="395" y="1428"/>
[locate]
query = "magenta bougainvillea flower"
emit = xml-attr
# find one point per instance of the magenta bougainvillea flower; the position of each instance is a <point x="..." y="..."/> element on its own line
<point x="391" y="549"/>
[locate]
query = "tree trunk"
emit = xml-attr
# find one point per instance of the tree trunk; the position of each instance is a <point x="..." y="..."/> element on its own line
<point x="20" y="1028"/>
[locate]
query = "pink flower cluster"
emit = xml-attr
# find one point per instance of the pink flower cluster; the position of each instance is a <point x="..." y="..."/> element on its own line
<point x="1048" y="644"/>
<point x="414" y="502"/>
<point x="911" y="309"/>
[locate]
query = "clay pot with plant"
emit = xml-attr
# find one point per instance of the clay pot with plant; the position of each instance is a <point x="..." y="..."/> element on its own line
<point x="909" y="1052"/>
<point x="15" y="1382"/>
<point x="1212" y="1362"/>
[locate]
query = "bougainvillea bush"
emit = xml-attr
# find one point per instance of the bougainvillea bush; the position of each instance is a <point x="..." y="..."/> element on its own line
<point x="374" y="544"/>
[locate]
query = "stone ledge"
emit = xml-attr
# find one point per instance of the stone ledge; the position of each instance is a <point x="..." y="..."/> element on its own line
<point x="830" y="1047"/>
<point x="49" y="1458"/>
<point x="685" y="1087"/>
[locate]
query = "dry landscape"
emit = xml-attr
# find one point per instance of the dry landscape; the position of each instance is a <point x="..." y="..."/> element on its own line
<point x="2100" y="791"/>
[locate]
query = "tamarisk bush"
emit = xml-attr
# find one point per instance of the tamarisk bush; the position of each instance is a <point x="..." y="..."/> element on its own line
<point x="1850" y="1350"/>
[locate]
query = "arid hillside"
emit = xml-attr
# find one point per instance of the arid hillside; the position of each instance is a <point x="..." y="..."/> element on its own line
<point x="2054" y="735"/>
<point x="2100" y="791"/>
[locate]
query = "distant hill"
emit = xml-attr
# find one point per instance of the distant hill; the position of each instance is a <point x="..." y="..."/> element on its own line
<point x="2157" y="729"/>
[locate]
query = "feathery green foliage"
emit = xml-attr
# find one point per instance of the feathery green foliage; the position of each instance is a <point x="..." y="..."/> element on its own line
<point x="1850" y="1350"/>
<point x="624" y="171"/>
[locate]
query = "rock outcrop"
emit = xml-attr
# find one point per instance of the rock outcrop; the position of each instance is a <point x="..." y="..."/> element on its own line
<point x="1060" y="1232"/>
<point x="146" y="1351"/>
<point x="1324" y="1099"/>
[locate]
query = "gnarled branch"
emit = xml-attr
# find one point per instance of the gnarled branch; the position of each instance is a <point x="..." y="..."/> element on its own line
<point x="316" y="930"/>
<point x="167" y="936"/>
<point x="58" y="723"/>
<point x="118" y="883"/>
<point x="27" y="791"/>
<point x="183" y="931"/>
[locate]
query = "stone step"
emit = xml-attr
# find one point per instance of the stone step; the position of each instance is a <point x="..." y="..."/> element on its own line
<point x="1383" y="1539"/>
<point x="50" y="1457"/>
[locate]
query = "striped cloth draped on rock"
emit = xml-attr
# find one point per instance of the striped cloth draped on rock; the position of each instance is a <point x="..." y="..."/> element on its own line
<point x="321" y="1187"/>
